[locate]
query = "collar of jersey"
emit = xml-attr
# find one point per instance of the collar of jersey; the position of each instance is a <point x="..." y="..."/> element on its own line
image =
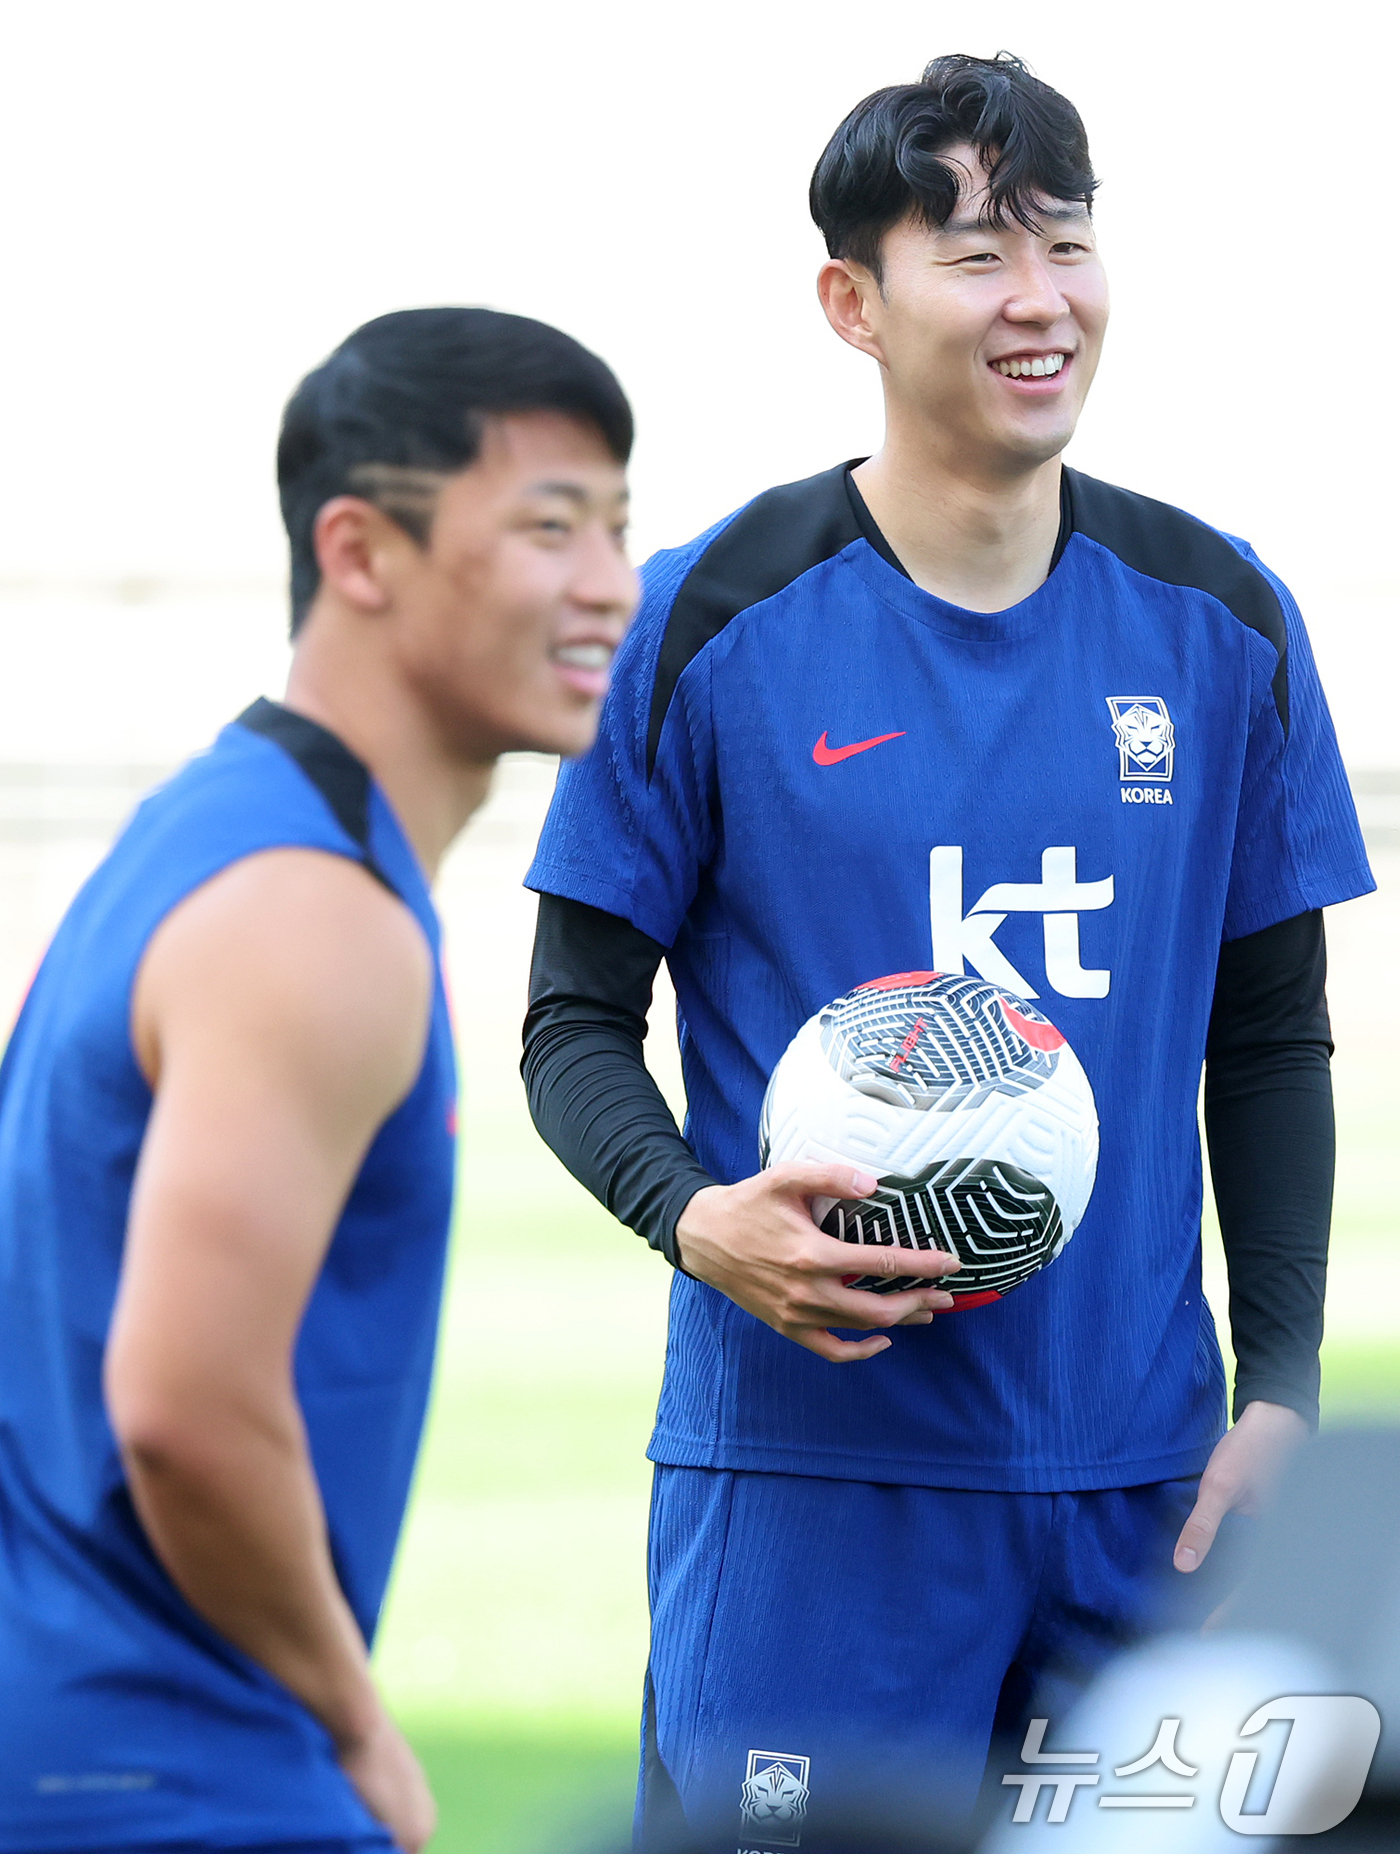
<point x="1033" y="613"/>
<point x="393" y="857"/>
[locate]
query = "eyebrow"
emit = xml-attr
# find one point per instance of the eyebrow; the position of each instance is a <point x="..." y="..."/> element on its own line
<point x="572" y="492"/>
<point x="1058" y="215"/>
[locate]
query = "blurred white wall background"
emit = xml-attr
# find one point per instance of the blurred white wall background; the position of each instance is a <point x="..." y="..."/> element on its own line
<point x="200" y="200"/>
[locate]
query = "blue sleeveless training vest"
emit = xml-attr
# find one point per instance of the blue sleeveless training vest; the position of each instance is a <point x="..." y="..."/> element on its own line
<point x="125" y="1720"/>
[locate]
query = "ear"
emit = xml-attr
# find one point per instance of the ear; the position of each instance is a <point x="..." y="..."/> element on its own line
<point x="849" y="294"/>
<point x="355" y="545"/>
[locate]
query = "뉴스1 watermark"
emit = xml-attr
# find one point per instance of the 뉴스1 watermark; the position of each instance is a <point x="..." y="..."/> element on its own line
<point x="1331" y="1743"/>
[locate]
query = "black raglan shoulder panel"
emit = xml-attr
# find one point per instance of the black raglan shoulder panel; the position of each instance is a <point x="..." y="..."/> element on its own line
<point x="1167" y="544"/>
<point x="780" y="536"/>
<point x="339" y="775"/>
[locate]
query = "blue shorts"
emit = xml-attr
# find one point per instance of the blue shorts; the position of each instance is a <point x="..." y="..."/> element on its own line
<point x="827" y="1652"/>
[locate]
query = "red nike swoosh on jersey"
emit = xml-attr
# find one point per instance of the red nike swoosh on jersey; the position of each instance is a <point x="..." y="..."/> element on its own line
<point x="832" y="756"/>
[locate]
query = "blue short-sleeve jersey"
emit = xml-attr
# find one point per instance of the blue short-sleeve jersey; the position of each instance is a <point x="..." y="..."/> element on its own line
<point x="810" y="773"/>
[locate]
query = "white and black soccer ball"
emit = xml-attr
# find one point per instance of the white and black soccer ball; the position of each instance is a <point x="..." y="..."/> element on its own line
<point x="969" y="1107"/>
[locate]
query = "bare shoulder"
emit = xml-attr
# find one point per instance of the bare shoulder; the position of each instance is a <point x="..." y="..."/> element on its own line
<point x="299" y="956"/>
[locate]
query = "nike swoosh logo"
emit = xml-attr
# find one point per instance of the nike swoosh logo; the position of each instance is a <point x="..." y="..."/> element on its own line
<point x="832" y="756"/>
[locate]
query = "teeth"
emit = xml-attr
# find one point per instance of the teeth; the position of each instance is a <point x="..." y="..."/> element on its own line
<point x="584" y="656"/>
<point x="1037" y="368"/>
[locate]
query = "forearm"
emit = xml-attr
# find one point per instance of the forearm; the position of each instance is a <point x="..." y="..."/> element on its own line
<point x="1272" y="1153"/>
<point x="230" y="1504"/>
<point x="599" y="1109"/>
<point x="1268" y="1112"/>
<point x="590" y="1092"/>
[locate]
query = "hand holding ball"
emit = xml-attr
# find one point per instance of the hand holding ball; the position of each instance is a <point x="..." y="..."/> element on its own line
<point x="968" y="1105"/>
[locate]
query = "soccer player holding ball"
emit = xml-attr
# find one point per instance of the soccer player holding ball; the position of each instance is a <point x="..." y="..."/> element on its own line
<point x="227" y="1119"/>
<point x="954" y="712"/>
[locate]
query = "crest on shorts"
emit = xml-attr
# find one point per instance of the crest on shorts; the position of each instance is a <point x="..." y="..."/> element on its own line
<point x="1145" y="736"/>
<point x="774" y="1797"/>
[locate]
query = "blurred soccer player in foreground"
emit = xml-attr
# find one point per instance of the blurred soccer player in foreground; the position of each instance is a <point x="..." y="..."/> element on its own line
<point x="227" y="1119"/>
<point x="951" y="707"/>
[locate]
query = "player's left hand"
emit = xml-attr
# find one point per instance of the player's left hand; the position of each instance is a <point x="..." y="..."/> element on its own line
<point x="1241" y="1473"/>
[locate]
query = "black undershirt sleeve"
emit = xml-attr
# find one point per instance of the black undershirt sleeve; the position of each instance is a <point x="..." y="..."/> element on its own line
<point x="1269" y="1128"/>
<point x="1268" y="1117"/>
<point x="590" y="1091"/>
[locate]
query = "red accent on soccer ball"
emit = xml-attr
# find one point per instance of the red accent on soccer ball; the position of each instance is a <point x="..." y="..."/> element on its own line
<point x="898" y="980"/>
<point x="1039" y="1036"/>
<point x="960" y="1301"/>
<point x="907" y="1045"/>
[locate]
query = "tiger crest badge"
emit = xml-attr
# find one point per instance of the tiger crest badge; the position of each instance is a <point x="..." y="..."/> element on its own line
<point x="1145" y="736"/>
<point x="774" y="1797"/>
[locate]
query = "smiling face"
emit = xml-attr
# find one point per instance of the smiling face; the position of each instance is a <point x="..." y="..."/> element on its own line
<point x="505" y="624"/>
<point x="989" y="337"/>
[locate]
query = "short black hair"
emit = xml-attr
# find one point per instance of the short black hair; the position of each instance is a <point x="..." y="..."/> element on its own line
<point x="406" y="399"/>
<point x="883" y="162"/>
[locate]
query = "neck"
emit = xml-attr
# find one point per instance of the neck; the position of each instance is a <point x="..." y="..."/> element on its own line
<point x="982" y="540"/>
<point x="432" y="793"/>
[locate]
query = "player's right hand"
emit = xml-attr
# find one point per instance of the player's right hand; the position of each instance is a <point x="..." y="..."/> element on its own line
<point x="756" y="1241"/>
<point x="391" y="1784"/>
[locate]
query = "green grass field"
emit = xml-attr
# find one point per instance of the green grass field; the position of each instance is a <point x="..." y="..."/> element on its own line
<point x="515" y="1636"/>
